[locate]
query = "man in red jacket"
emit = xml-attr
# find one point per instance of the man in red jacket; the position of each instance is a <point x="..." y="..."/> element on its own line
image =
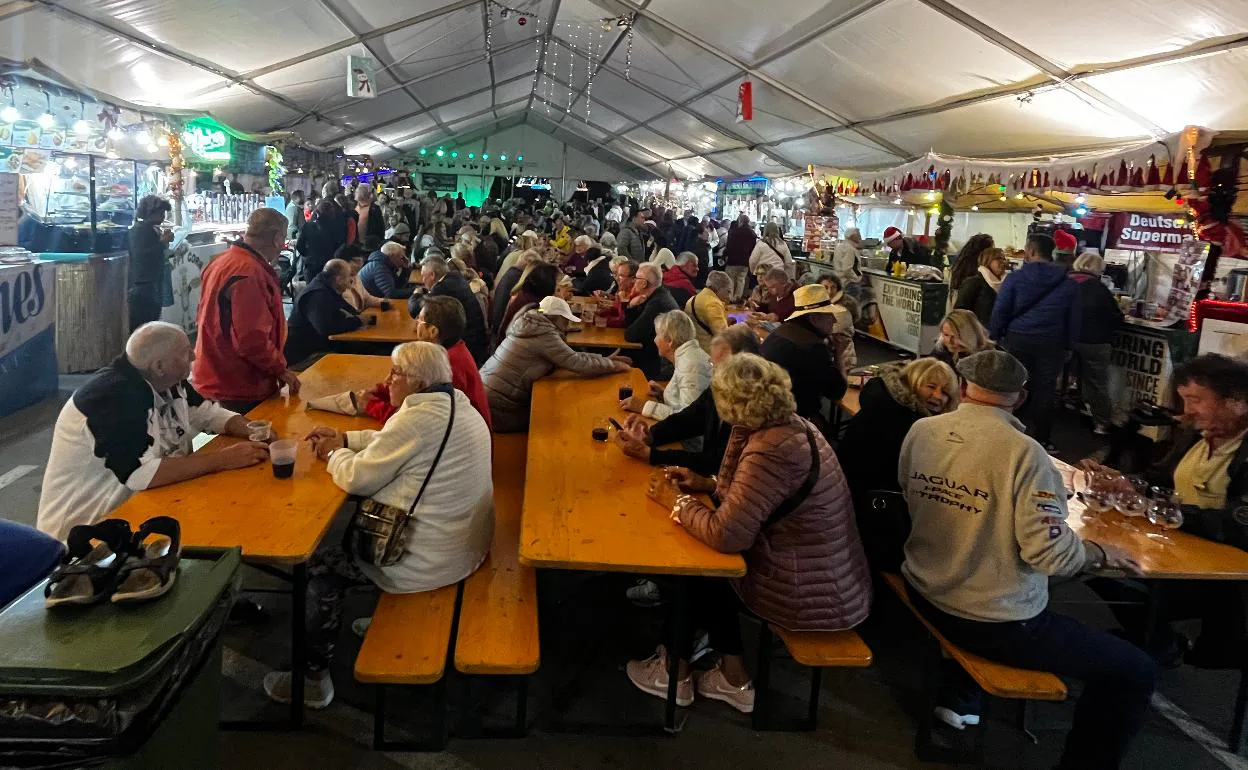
<point x="242" y="325"/>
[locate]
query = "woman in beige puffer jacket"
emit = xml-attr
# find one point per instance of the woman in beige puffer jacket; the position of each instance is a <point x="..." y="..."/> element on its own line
<point x="534" y="347"/>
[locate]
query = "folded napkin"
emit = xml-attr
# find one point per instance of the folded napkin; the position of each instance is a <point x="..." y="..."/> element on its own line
<point x="340" y="403"/>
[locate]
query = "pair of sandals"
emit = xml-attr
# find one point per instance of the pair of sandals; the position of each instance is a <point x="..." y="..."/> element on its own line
<point x="107" y="561"/>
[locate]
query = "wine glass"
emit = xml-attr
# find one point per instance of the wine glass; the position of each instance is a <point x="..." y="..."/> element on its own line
<point x="1096" y="493"/>
<point x="1165" y="512"/>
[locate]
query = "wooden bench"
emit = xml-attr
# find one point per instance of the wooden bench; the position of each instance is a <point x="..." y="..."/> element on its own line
<point x="498" y="633"/>
<point x="815" y="649"/>
<point x="993" y="678"/>
<point x="408" y="643"/>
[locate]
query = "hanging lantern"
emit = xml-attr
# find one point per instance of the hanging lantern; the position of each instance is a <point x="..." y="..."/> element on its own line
<point x="745" y="101"/>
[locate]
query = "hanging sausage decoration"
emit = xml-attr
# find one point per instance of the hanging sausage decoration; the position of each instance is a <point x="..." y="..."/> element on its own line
<point x="745" y="101"/>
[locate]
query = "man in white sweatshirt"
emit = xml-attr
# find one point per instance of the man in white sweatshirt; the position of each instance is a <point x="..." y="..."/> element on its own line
<point x="989" y="530"/>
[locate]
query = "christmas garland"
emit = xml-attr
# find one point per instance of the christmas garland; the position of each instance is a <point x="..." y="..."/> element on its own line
<point x="276" y="171"/>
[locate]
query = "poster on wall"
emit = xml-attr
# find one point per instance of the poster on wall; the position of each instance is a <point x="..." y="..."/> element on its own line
<point x="27" y="335"/>
<point x="892" y="311"/>
<point x="1170" y="296"/>
<point x="440" y="182"/>
<point x="1140" y="368"/>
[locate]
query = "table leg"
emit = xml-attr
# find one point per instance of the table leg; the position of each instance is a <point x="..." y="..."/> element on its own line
<point x="298" y="641"/>
<point x="679" y="610"/>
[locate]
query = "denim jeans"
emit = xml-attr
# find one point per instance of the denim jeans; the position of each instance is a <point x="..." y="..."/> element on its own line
<point x="1118" y="677"/>
<point x="1043" y="356"/>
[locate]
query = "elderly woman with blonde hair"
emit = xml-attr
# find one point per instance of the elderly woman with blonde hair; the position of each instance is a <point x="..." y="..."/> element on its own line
<point x="961" y="335"/>
<point x="783" y="505"/>
<point x="890" y="403"/>
<point x="431" y="458"/>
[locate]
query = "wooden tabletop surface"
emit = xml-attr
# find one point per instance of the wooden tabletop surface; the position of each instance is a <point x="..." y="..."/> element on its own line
<point x="585" y="504"/>
<point x="591" y="336"/>
<point x="277" y="521"/>
<point x="393" y="325"/>
<point x="1161" y="554"/>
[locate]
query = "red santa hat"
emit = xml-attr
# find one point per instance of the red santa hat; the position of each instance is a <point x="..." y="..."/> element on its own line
<point x="892" y="232"/>
<point x="1065" y="241"/>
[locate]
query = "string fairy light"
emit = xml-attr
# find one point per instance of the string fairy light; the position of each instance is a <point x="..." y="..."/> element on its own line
<point x="571" y="63"/>
<point x="489" y="33"/>
<point x="589" y="70"/>
<point x="628" y="58"/>
<point x="554" y="67"/>
<point x="537" y="54"/>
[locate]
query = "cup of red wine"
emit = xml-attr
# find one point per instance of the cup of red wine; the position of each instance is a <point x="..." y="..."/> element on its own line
<point x="282" y="453"/>
<point x="626" y="391"/>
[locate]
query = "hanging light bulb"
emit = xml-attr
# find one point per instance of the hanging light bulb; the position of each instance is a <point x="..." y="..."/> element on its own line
<point x="503" y="157"/>
<point x="47" y="120"/>
<point x="163" y="140"/>
<point x="10" y="114"/>
<point x="143" y="136"/>
<point x="975" y="208"/>
<point x="70" y="163"/>
<point x="152" y="148"/>
<point x="82" y="127"/>
<point x="440" y="153"/>
<point x="1080" y="198"/>
<point x="472" y="156"/>
<point x="519" y="158"/>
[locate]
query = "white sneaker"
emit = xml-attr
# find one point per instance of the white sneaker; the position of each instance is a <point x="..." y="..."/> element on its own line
<point x="645" y="594"/>
<point x="955" y="720"/>
<point x="650" y="676"/>
<point x="318" y="692"/>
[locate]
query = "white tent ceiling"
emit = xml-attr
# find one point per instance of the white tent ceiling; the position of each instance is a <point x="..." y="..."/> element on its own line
<point x="836" y="82"/>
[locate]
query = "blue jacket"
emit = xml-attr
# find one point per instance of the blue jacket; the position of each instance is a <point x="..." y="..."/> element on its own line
<point x="383" y="279"/>
<point x="1035" y="299"/>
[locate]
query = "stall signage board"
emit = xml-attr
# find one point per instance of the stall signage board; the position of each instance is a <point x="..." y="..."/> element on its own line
<point x="27" y="335"/>
<point x="894" y="311"/>
<point x="1140" y="368"/>
<point x="753" y="187"/>
<point x="206" y="140"/>
<point x="448" y="182"/>
<point x="1154" y="232"/>
<point x="8" y="209"/>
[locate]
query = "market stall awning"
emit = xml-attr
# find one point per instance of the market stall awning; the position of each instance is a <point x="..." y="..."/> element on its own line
<point x="653" y="84"/>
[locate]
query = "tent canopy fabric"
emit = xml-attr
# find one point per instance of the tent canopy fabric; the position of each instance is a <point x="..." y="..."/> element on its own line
<point x="841" y="83"/>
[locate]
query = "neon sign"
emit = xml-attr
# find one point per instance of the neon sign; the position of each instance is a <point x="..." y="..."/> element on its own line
<point x="206" y="139"/>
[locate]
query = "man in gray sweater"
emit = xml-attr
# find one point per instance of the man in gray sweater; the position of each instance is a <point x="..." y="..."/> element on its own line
<point x="989" y="530"/>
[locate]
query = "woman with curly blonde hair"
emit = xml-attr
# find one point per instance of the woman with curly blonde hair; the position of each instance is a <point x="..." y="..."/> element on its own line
<point x="784" y="505"/>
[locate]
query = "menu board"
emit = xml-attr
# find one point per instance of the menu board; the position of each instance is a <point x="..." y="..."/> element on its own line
<point x="8" y="209"/>
<point x="817" y="229"/>
<point x="28" y="133"/>
<point x="23" y="161"/>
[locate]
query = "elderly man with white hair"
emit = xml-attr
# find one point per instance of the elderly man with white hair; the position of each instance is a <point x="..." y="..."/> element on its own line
<point x="431" y="458"/>
<point x="650" y="299"/>
<point x="130" y="427"/>
<point x="845" y="258"/>
<point x="385" y="273"/>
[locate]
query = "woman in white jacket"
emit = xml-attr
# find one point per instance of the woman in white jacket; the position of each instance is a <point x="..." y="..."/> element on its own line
<point x="677" y="342"/>
<point x="771" y="251"/>
<point x="452" y="524"/>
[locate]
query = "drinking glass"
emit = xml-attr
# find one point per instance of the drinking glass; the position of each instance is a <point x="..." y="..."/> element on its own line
<point x="259" y="430"/>
<point x="282" y="454"/>
<point x="1165" y="512"/>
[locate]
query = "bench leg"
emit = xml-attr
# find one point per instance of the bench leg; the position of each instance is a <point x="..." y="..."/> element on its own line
<point x="435" y="741"/>
<point x="298" y="641"/>
<point x="1236" y="739"/>
<point x="1024" y="721"/>
<point x="522" y="707"/>
<point x="816" y="685"/>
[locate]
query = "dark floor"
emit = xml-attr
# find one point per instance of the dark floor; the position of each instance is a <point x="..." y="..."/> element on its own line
<point x="589" y="631"/>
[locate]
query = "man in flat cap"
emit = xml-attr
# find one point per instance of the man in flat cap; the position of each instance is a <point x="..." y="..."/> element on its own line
<point x="989" y="529"/>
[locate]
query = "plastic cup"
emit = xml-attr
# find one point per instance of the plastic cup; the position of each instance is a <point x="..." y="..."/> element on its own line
<point x="282" y="453"/>
<point x="626" y="391"/>
<point x="600" y="321"/>
<point x="259" y="430"/>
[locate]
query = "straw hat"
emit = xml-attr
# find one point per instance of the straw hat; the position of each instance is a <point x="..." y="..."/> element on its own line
<point x="811" y="299"/>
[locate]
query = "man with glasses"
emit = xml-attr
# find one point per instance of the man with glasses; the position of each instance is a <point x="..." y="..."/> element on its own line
<point x="650" y="299"/>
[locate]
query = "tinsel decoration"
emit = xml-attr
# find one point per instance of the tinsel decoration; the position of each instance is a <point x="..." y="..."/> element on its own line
<point x="276" y="171"/>
<point x="944" y="228"/>
<point x="176" y="164"/>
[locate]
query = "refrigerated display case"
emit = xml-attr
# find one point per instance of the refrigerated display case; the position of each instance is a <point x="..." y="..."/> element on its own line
<point x="78" y="204"/>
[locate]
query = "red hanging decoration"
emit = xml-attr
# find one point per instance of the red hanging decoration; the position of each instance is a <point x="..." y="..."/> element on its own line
<point x="1204" y="172"/>
<point x="1137" y="177"/>
<point x="745" y="101"/>
<point x="1167" y="179"/>
<point x="1154" y="175"/>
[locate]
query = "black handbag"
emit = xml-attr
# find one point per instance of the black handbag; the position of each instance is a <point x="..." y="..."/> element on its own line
<point x="377" y="534"/>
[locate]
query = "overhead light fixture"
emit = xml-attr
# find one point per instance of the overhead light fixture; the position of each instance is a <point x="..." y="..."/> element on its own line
<point x="47" y="120"/>
<point x="70" y="163"/>
<point x="519" y="158"/>
<point x="115" y="133"/>
<point x="503" y="157"/>
<point x="423" y="151"/>
<point x="82" y="127"/>
<point x="1018" y="197"/>
<point x="454" y="154"/>
<point x="163" y="140"/>
<point x="440" y="153"/>
<point x="1003" y="197"/>
<point x="975" y="208"/>
<point x="472" y="156"/>
<point x="143" y="136"/>
<point x="10" y="114"/>
<point x="485" y="156"/>
<point x="1081" y="211"/>
<point x="1080" y="198"/>
<point x="151" y="147"/>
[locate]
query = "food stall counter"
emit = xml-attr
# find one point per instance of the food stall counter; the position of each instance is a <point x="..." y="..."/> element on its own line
<point x="901" y="312"/>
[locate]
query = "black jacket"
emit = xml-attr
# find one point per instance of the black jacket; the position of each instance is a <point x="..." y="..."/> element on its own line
<point x="502" y="296"/>
<point x="702" y="250"/>
<point x="1228" y="525"/>
<point x="978" y="297"/>
<point x="911" y="252"/>
<point x="1095" y="315"/>
<point x="871" y="447"/>
<point x="598" y="278"/>
<point x="700" y="418"/>
<point x="318" y="240"/>
<point x="811" y="364"/>
<point x="475" y="335"/>
<point x="316" y="314"/>
<point x="147" y="255"/>
<point x="640" y="329"/>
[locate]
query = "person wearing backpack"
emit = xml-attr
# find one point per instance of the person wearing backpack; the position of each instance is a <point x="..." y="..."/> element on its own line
<point x="1032" y="321"/>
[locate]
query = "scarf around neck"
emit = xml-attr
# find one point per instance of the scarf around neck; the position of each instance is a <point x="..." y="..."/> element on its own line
<point x="993" y="282"/>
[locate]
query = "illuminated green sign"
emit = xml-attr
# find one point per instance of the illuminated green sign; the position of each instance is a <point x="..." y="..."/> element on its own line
<point x="206" y="139"/>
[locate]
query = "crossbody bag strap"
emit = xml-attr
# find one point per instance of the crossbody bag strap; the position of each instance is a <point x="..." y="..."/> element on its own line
<point x="790" y="503"/>
<point x="693" y="305"/>
<point x="411" y="512"/>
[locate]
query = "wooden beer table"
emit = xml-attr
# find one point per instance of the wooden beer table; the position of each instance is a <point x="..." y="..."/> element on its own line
<point x="276" y="522"/>
<point x="394" y="325"/>
<point x="585" y="504"/>
<point x="591" y="336"/>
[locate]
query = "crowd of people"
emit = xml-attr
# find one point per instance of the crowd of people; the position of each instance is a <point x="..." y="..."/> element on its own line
<point x="936" y="439"/>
